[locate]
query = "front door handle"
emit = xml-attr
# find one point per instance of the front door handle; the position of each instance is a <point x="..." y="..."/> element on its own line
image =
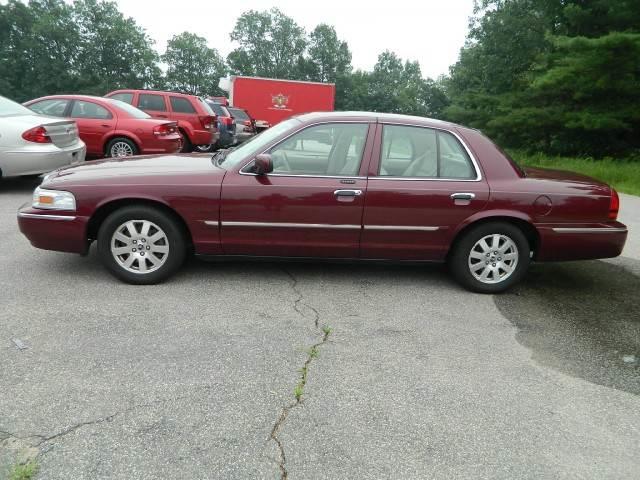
<point x="463" y="196"/>
<point x="347" y="193"/>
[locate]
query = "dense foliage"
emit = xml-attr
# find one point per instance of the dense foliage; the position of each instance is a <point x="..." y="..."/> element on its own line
<point x="557" y="76"/>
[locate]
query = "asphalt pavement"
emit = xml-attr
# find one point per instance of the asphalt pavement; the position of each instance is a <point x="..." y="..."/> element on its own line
<point x="399" y="372"/>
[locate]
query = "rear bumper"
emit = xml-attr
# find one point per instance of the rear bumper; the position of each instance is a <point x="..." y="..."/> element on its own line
<point x="204" y="137"/>
<point x="37" y="159"/>
<point x="581" y="242"/>
<point x="54" y="230"/>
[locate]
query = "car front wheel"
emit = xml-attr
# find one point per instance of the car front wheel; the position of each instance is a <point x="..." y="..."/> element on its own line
<point x="141" y="245"/>
<point x="491" y="257"/>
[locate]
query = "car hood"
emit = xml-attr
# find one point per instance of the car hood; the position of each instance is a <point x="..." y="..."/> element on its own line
<point x="114" y="170"/>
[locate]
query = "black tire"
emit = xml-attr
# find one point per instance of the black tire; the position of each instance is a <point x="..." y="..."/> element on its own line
<point x="114" y="142"/>
<point x="174" y="239"/>
<point x="187" y="146"/>
<point x="459" y="260"/>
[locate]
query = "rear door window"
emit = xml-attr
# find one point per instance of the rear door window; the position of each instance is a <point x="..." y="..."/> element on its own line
<point x="149" y="101"/>
<point x="421" y="152"/>
<point x="181" y="105"/>
<point x="84" y="109"/>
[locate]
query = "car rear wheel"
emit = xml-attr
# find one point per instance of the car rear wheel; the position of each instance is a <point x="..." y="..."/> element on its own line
<point x="186" y="143"/>
<point x="141" y="245"/>
<point x="490" y="258"/>
<point x="121" y="147"/>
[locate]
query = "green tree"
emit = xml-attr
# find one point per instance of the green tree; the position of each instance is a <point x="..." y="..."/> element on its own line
<point x="555" y="76"/>
<point x="271" y="44"/>
<point x="192" y="66"/>
<point x="329" y="57"/>
<point x="114" y="52"/>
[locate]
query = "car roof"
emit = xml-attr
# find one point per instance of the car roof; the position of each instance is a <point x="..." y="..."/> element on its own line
<point x="374" y="116"/>
<point x="164" y="92"/>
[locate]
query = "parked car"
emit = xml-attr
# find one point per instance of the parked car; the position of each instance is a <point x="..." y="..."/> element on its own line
<point x="196" y="121"/>
<point x="31" y="144"/>
<point x="226" y="127"/>
<point x="112" y="128"/>
<point x="358" y="186"/>
<point x="261" y="125"/>
<point x="245" y="125"/>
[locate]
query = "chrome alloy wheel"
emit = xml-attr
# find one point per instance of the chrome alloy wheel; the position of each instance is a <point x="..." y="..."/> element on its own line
<point x="121" y="149"/>
<point x="140" y="246"/>
<point x="204" y="148"/>
<point x="493" y="258"/>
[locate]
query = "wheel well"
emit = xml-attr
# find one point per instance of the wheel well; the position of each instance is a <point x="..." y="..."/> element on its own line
<point x="105" y="210"/>
<point x="184" y="132"/>
<point x="106" y="142"/>
<point x="533" y="237"/>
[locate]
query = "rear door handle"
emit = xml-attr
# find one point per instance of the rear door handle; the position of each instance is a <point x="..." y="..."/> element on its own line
<point x="347" y="193"/>
<point x="463" y="196"/>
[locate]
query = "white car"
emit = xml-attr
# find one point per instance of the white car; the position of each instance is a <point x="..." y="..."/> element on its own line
<point x="31" y="144"/>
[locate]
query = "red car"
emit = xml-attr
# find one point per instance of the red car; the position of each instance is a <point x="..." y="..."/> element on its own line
<point x="332" y="186"/>
<point x="196" y="121"/>
<point x="111" y="128"/>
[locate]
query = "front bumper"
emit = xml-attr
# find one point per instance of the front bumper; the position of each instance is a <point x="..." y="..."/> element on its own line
<point x="581" y="242"/>
<point x="54" y="230"/>
<point x="37" y="159"/>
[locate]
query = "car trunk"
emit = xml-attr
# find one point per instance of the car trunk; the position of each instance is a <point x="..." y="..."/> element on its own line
<point x="63" y="133"/>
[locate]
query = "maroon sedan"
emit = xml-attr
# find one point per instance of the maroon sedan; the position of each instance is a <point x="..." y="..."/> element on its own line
<point x="112" y="128"/>
<point x="333" y="186"/>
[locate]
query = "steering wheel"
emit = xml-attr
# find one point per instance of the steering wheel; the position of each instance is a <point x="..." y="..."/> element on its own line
<point x="281" y="161"/>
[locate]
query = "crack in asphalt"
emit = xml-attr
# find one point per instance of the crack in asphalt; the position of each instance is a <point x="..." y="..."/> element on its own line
<point x="282" y="462"/>
<point x="299" y="301"/>
<point x="302" y="381"/>
<point x="42" y="439"/>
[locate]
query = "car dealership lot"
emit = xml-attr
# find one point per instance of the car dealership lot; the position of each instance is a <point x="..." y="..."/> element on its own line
<point x="417" y="379"/>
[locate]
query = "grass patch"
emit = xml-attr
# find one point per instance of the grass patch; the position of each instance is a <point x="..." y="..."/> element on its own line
<point x="24" y="471"/>
<point x="623" y="175"/>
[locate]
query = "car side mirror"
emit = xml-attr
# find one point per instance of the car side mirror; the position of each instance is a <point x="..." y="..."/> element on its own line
<point x="263" y="164"/>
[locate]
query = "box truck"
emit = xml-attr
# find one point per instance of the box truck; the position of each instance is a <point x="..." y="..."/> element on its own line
<point x="272" y="100"/>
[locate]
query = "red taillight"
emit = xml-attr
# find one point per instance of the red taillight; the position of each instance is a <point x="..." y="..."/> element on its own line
<point x="208" y="122"/>
<point x="614" y="205"/>
<point x="247" y="123"/>
<point x="164" y="129"/>
<point x="228" y="121"/>
<point x="37" y="135"/>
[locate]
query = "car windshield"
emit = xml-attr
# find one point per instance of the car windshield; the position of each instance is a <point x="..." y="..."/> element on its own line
<point x="130" y="109"/>
<point x="239" y="114"/>
<point x="257" y="144"/>
<point x="9" y="107"/>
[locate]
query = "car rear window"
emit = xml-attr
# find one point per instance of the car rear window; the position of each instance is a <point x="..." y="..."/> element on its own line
<point x="181" y="105"/>
<point x="218" y="109"/>
<point x="129" y="109"/>
<point x="152" y="102"/>
<point x="239" y="114"/>
<point x="123" y="97"/>
<point x="206" y="106"/>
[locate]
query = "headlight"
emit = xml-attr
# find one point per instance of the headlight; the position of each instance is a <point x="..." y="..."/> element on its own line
<point x="53" y="199"/>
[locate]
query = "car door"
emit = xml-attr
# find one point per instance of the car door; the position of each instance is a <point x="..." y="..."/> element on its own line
<point x="423" y="183"/>
<point x="310" y="205"/>
<point x="95" y="123"/>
